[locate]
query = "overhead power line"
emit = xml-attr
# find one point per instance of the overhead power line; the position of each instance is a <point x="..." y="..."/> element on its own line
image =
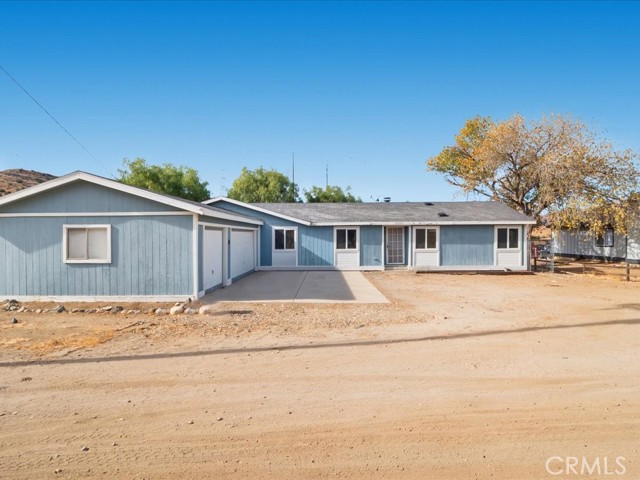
<point x="11" y="77"/>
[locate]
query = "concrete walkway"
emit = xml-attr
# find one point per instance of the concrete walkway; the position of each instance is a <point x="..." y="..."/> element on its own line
<point x="299" y="287"/>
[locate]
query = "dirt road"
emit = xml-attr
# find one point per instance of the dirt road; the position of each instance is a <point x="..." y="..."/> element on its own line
<point x="460" y="377"/>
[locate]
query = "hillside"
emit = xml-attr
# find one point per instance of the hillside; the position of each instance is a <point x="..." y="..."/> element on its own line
<point x="18" y="178"/>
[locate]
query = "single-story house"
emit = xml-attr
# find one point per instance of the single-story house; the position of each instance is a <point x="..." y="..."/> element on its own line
<point x="381" y="235"/>
<point x="84" y="237"/>
<point x="610" y="246"/>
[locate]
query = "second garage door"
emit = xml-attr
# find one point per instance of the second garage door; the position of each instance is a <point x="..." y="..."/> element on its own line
<point x="243" y="252"/>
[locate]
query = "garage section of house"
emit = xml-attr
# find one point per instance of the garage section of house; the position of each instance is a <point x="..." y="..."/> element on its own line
<point x="228" y="253"/>
<point x="84" y="237"/>
<point x="381" y="235"/>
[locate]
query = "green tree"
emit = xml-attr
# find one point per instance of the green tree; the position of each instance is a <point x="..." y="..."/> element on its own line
<point x="330" y="194"/>
<point x="555" y="167"/>
<point x="178" y="181"/>
<point x="263" y="186"/>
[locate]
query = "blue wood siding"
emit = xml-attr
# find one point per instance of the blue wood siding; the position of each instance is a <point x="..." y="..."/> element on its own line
<point x="405" y="260"/>
<point x="227" y="223"/>
<point x="81" y="196"/>
<point x="151" y="255"/>
<point x="524" y="247"/>
<point x="371" y="246"/>
<point x="266" y="231"/>
<point x="200" y="257"/>
<point x="466" y="245"/>
<point x="315" y="246"/>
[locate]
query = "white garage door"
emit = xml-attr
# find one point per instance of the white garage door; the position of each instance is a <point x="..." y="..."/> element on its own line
<point x="212" y="258"/>
<point x="243" y="252"/>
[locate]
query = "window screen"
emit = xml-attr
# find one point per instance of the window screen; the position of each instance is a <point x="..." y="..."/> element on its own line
<point x="431" y="238"/>
<point x="513" y="238"/>
<point x="341" y="239"/>
<point x="279" y="239"/>
<point x="502" y="238"/>
<point x="420" y="238"/>
<point x="352" y="239"/>
<point x="290" y="240"/>
<point x="77" y="244"/>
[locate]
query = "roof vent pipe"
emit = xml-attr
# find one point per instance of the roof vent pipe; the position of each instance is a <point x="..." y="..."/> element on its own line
<point x="386" y="199"/>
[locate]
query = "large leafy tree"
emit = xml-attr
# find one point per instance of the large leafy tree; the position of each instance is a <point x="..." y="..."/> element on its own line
<point x="178" y="181"/>
<point x="261" y="185"/>
<point x="555" y="167"/>
<point x="330" y="194"/>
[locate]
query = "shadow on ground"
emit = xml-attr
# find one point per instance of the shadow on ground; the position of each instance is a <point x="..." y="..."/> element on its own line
<point x="313" y="346"/>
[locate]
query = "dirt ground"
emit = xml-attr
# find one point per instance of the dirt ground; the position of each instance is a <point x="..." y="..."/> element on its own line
<point x="573" y="266"/>
<point x="459" y="377"/>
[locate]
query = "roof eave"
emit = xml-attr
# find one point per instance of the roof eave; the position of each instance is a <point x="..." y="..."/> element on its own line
<point x="416" y="223"/>
<point x="257" y="209"/>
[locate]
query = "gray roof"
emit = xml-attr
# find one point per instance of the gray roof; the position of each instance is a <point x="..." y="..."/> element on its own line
<point x="430" y="213"/>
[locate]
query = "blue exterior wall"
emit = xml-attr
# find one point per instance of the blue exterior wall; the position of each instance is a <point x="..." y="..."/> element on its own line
<point x="315" y="244"/>
<point x="226" y="223"/>
<point x="371" y="246"/>
<point x="524" y="247"/>
<point x="200" y="255"/>
<point x="81" y="196"/>
<point x="466" y="245"/>
<point x="265" y="231"/>
<point x="151" y="255"/>
<point x="407" y="246"/>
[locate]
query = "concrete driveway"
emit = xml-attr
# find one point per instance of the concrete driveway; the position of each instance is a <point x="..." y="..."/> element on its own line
<point x="299" y="287"/>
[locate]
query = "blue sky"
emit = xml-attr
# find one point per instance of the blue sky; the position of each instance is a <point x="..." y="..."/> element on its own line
<point x="371" y="89"/>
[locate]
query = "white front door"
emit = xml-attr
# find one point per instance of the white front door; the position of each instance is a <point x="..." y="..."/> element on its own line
<point x="211" y="258"/>
<point x="395" y="245"/>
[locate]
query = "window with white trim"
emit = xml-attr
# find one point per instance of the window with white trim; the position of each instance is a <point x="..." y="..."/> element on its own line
<point x="87" y="243"/>
<point x="605" y="239"/>
<point x="426" y="238"/>
<point x="346" y="239"/>
<point x="508" y="238"/>
<point x="284" y="239"/>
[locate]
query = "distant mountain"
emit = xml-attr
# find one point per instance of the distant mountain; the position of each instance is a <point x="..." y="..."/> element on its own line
<point x="18" y="178"/>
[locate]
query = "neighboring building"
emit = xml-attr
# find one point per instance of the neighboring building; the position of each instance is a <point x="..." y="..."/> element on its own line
<point x="610" y="246"/>
<point x="84" y="237"/>
<point x="379" y="236"/>
<point x="18" y="179"/>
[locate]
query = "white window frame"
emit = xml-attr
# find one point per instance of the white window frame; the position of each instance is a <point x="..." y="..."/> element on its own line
<point x="65" y="243"/>
<point x="425" y="228"/>
<point x="507" y="228"/>
<point x="285" y="249"/>
<point x="346" y="249"/>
